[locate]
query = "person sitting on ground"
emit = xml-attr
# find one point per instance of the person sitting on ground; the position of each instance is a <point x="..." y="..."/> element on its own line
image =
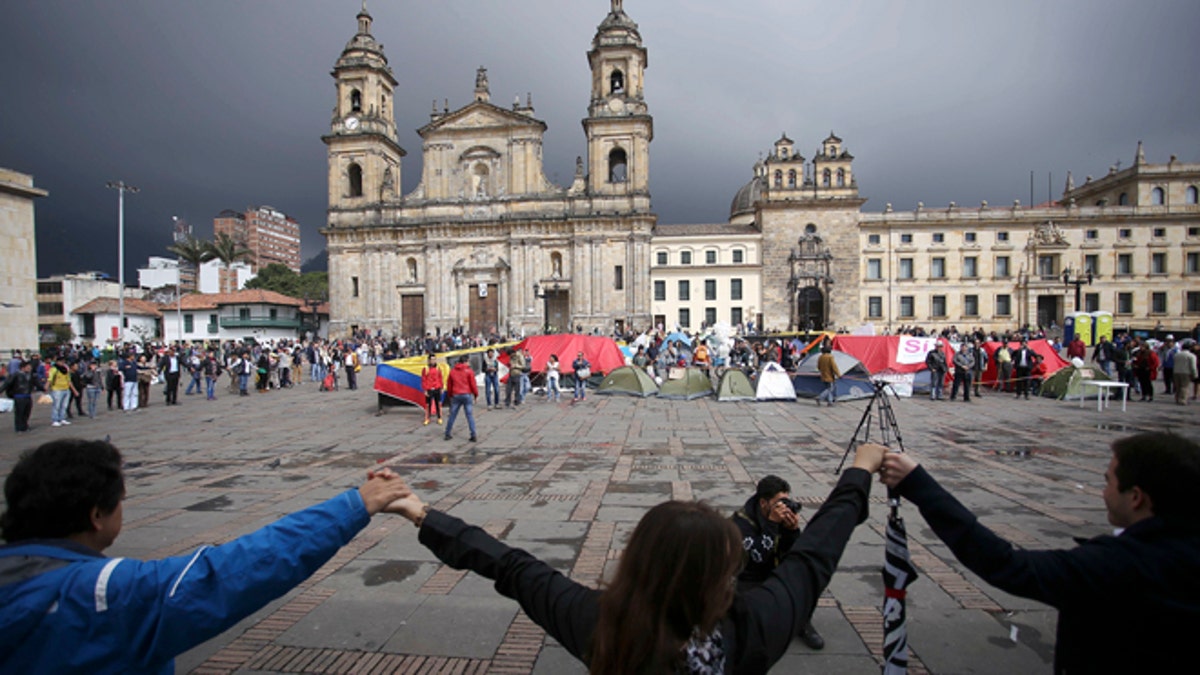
<point x="68" y="608"/>
<point x="769" y="528"/>
<point x="671" y="606"/>
<point x="1145" y="571"/>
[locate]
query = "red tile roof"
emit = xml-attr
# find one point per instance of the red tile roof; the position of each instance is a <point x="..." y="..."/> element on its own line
<point x="196" y="301"/>
<point x="112" y="306"/>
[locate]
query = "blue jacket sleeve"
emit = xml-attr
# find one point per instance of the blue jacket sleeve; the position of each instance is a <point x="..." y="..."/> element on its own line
<point x="565" y="609"/>
<point x="1053" y="577"/>
<point x="177" y="603"/>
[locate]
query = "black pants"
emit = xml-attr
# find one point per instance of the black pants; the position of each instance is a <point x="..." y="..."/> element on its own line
<point x="22" y="407"/>
<point x="1023" y="380"/>
<point x="962" y="377"/>
<point x="114" y="393"/>
<point x="172" y="390"/>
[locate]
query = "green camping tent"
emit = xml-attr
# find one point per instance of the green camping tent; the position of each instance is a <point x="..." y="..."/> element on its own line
<point x="689" y="384"/>
<point x="628" y="380"/>
<point x="735" y="386"/>
<point x="1064" y="385"/>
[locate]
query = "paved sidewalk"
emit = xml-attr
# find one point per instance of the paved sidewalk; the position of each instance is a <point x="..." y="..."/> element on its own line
<point x="568" y="483"/>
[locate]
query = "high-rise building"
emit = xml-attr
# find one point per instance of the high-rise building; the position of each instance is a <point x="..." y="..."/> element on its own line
<point x="271" y="235"/>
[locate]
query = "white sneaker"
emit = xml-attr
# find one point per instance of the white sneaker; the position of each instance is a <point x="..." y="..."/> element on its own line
<point x="66" y="423"/>
<point x="56" y="424"/>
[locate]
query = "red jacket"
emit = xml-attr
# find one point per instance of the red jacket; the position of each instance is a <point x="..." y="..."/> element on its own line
<point x="431" y="378"/>
<point x="462" y="381"/>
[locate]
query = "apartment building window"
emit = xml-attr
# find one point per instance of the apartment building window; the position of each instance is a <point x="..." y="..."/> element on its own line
<point x="1193" y="263"/>
<point x="244" y="313"/>
<point x="354" y="287"/>
<point x="685" y="317"/>
<point x="1124" y="233"/>
<point x="710" y="316"/>
<point x="970" y="268"/>
<point x="937" y="270"/>
<point x="50" y="309"/>
<point x="970" y="305"/>
<point x="685" y="291"/>
<point x="619" y="277"/>
<point x="1158" y="303"/>
<point x="1091" y="235"/>
<point x="875" y="307"/>
<point x="660" y="291"/>
<point x="906" y="307"/>
<point x="1002" y="236"/>
<point x="1125" y="264"/>
<point x="939" y="238"/>
<point x="1004" y="305"/>
<point x="735" y="289"/>
<point x="735" y="316"/>
<point x="1091" y="302"/>
<point x="710" y="289"/>
<point x="1091" y="263"/>
<point x="1193" y="302"/>
<point x="1194" y="231"/>
<point x="49" y="287"/>
<point x="906" y="268"/>
<point x="685" y="257"/>
<point x="937" y="306"/>
<point x="906" y="239"/>
<point x="1124" y="303"/>
<point x="662" y="257"/>
<point x="1160" y="232"/>
<point x="969" y="237"/>
<point x="1002" y="267"/>
<point x="739" y="256"/>
<point x="872" y="239"/>
<point x="874" y="268"/>
<point x="1158" y="263"/>
<point x="710" y="257"/>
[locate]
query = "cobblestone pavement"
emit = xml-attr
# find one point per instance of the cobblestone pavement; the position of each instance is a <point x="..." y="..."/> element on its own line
<point x="568" y="483"/>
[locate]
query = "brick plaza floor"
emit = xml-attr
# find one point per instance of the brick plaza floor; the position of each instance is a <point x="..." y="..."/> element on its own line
<point x="568" y="483"/>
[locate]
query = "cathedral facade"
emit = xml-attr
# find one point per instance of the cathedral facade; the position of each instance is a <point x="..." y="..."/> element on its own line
<point x="486" y="243"/>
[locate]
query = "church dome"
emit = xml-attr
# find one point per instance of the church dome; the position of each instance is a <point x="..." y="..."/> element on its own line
<point x="748" y="196"/>
<point x="363" y="49"/>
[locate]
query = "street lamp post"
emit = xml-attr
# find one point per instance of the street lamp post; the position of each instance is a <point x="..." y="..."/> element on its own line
<point x="1081" y="279"/>
<point x="121" y="187"/>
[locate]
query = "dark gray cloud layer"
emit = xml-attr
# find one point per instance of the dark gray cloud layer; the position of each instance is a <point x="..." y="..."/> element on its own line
<point x="221" y="104"/>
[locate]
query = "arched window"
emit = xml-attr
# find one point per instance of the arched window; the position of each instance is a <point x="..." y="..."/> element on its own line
<point x="1158" y="197"/>
<point x="412" y="270"/>
<point x="618" y="167"/>
<point x="826" y="175"/>
<point x="792" y="178"/>
<point x="356" y="100"/>
<point x="355" y="175"/>
<point x="1123" y="199"/>
<point x="616" y="83"/>
<point x="479" y="181"/>
<point x="1193" y="195"/>
<point x="556" y="267"/>
<point x="779" y="179"/>
<point x="841" y="178"/>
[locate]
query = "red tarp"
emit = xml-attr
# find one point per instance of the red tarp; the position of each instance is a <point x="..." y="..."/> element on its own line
<point x="889" y="353"/>
<point x="1051" y="360"/>
<point x="601" y="352"/>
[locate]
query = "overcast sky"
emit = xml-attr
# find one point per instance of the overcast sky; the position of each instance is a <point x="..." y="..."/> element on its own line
<point x="213" y="104"/>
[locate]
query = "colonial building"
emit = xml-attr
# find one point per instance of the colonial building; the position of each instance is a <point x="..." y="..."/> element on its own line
<point x="18" y="261"/>
<point x="255" y="314"/>
<point x="485" y="242"/>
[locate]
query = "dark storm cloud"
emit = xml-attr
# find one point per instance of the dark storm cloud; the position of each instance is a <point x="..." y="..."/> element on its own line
<point x="221" y="104"/>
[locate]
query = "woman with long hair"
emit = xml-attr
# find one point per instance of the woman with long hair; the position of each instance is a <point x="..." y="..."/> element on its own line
<point x="673" y="605"/>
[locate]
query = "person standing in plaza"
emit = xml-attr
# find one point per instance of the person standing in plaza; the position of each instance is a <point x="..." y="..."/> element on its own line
<point x="129" y="382"/>
<point x="1004" y="368"/>
<point x="979" y="354"/>
<point x="1185" y="371"/>
<point x="352" y="366"/>
<point x="828" y="368"/>
<point x="20" y="386"/>
<point x="516" y="367"/>
<point x="964" y="363"/>
<point x="171" y="367"/>
<point x="93" y="383"/>
<point x="491" y="378"/>
<point x="1103" y="355"/>
<point x="432" y="385"/>
<point x="1121" y="361"/>
<point x="553" y="368"/>
<point x="60" y="387"/>
<point x="112" y="383"/>
<point x="1166" y="357"/>
<point x="77" y="368"/>
<point x="1022" y="360"/>
<point x="463" y="391"/>
<point x="192" y="360"/>
<point x="582" y="370"/>
<point x="935" y="361"/>
<point x="211" y="368"/>
<point x="145" y="378"/>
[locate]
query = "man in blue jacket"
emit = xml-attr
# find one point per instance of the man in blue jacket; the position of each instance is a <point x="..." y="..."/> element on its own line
<point x="66" y="608"/>
<point x="1127" y="602"/>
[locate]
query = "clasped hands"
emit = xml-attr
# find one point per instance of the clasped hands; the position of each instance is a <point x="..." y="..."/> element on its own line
<point x="386" y="492"/>
<point x="892" y="467"/>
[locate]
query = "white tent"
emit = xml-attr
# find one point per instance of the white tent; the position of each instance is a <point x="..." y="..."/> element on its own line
<point x="774" y="384"/>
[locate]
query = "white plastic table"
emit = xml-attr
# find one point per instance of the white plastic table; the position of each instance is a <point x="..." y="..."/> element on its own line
<point x="1102" y="389"/>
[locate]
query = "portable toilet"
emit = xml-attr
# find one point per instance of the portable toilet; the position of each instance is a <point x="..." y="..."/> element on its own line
<point x="1079" y="323"/>
<point x="1102" y="326"/>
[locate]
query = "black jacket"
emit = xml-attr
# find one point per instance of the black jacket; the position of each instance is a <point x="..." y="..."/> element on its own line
<point x="759" y="625"/>
<point x="763" y="541"/>
<point x="1126" y="604"/>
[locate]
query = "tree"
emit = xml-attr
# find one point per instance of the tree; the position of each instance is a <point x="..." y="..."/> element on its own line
<point x="277" y="277"/>
<point x="228" y="250"/>
<point x="194" y="252"/>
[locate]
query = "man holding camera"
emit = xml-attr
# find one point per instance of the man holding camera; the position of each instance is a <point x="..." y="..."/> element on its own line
<point x="769" y="527"/>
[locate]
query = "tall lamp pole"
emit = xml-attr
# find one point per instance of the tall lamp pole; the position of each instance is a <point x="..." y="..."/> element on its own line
<point x="1081" y="279"/>
<point x="181" y="232"/>
<point x="121" y="187"/>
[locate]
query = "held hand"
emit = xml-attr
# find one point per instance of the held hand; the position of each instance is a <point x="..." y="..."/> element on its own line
<point x="410" y="506"/>
<point x="382" y="488"/>
<point x="896" y="467"/>
<point x="869" y="456"/>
